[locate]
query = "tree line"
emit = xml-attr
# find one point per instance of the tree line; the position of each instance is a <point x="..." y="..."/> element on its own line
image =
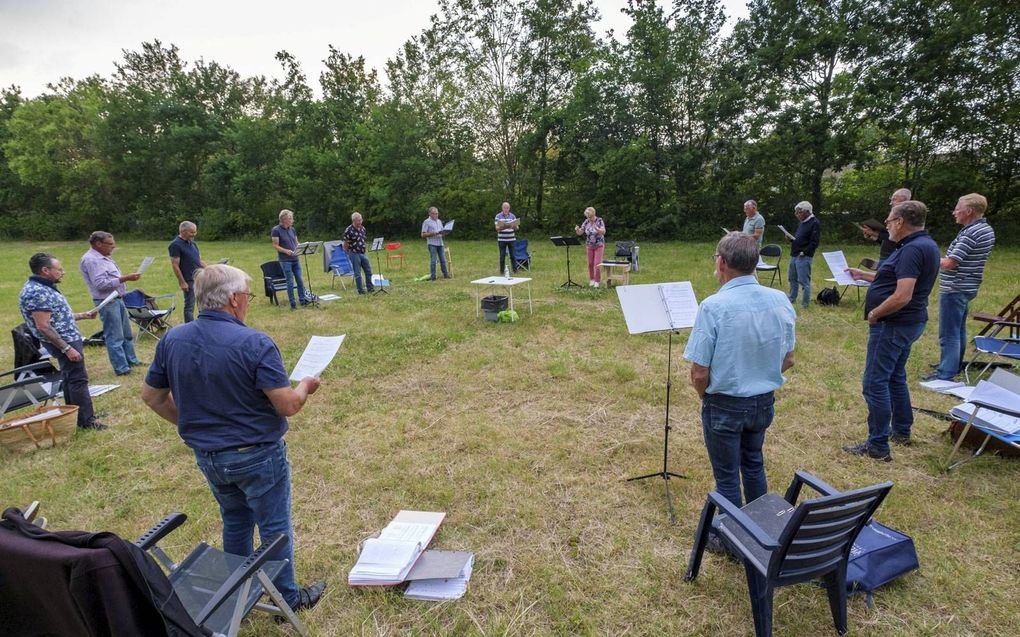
<point x="666" y="129"/>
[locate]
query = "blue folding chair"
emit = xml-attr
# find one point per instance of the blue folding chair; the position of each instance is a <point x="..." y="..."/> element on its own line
<point x="340" y="266"/>
<point x="1001" y="350"/>
<point x="521" y="255"/>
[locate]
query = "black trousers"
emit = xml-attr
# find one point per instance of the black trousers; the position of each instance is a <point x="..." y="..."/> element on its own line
<point x="76" y="382"/>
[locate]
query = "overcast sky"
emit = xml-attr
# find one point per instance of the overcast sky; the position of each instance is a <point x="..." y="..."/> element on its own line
<point x="44" y="40"/>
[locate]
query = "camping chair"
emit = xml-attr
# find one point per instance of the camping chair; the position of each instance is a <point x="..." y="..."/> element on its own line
<point x="1002" y="400"/>
<point x="145" y="312"/>
<point x="998" y="348"/>
<point x="782" y="543"/>
<point x="392" y="254"/>
<point x="771" y="251"/>
<point x="33" y="385"/>
<point x="521" y="255"/>
<point x="340" y="266"/>
<point x="27" y="348"/>
<point x="274" y="280"/>
<point x="1009" y="313"/>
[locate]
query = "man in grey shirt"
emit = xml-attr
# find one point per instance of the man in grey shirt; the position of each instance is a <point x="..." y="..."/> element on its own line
<point x="754" y="224"/>
<point x="432" y="232"/>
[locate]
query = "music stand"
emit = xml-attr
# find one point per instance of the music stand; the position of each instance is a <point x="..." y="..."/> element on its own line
<point x="306" y="248"/>
<point x="567" y="242"/>
<point x="377" y="247"/>
<point x="645" y="310"/>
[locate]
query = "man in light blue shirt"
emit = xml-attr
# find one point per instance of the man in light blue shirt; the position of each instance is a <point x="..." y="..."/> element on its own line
<point x="432" y="232"/>
<point x="741" y="344"/>
<point x="754" y="223"/>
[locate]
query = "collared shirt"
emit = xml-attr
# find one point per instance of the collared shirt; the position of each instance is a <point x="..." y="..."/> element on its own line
<point x="807" y="237"/>
<point x="753" y="223"/>
<point x="970" y="250"/>
<point x="433" y="225"/>
<point x="287" y="239"/>
<point x="915" y="257"/>
<point x="187" y="252"/>
<point x="506" y="234"/>
<point x="101" y="274"/>
<point x="42" y="295"/>
<point x="355" y="238"/>
<point x="742" y="334"/>
<point x="590" y="229"/>
<point x="216" y="367"/>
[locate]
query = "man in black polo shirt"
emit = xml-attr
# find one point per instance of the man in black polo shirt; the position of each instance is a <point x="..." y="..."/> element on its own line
<point x="896" y="309"/>
<point x="185" y="259"/>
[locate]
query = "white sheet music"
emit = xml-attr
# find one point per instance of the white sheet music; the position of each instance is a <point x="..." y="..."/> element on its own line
<point x="838" y="266"/>
<point x="317" y="356"/>
<point x="377" y="243"/>
<point x="146" y="262"/>
<point x="681" y="305"/>
<point x="786" y="232"/>
<point x="448" y="227"/>
<point x="109" y="299"/>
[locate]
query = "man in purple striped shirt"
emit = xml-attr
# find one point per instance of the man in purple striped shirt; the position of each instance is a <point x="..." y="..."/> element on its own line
<point x="102" y="276"/>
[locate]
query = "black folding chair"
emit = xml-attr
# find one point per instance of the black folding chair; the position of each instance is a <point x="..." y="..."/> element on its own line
<point x="274" y="280"/>
<point x="772" y="251"/>
<point x="32" y="385"/>
<point x="144" y="311"/>
<point x="782" y="544"/>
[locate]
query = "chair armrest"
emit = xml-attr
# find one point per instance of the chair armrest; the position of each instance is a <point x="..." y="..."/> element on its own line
<point x="160" y="530"/>
<point x="240" y="575"/>
<point x="742" y="520"/>
<point x="801" y="478"/>
<point x="27" y="368"/>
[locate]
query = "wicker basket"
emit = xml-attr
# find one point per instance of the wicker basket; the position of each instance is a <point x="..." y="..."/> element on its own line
<point x="41" y="434"/>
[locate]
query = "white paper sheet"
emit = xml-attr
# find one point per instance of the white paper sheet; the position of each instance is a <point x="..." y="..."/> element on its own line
<point x="377" y="243"/>
<point x="681" y="304"/>
<point x="106" y="301"/>
<point x="146" y="262"/>
<point x="317" y="356"/>
<point x="329" y="297"/>
<point x="96" y="390"/>
<point x="441" y="589"/>
<point x="786" y="232"/>
<point x="838" y="266"/>
<point x="449" y="226"/>
<point x="46" y="415"/>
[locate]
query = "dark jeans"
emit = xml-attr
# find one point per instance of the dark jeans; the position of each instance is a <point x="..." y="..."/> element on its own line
<point x="359" y="262"/>
<point x="953" y="331"/>
<point x="506" y="249"/>
<point x="189" y="302"/>
<point x="252" y="487"/>
<point x="885" y="381"/>
<point x="75" y="381"/>
<point x="800" y="277"/>
<point x="292" y="274"/>
<point x="734" y="431"/>
<point x="436" y="253"/>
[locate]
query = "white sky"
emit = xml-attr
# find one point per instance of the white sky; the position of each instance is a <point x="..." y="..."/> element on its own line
<point x="44" y="40"/>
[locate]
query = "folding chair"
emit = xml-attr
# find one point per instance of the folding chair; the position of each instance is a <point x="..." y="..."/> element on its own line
<point x="340" y="266"/>
<point x="1009" y="313"/>
<point x="392" y="254"/>
<point x="771" y="251"/>
<point x="27" y="348"/>
<point x="783" y="543"/>
<point x="144" y="311"/>
<point x="1002" y="350"/>
<point x="1000" y="395"/>
<point x="521" y="255"/>
<point x="33" y="385"/>
<point x="274" y="280"/>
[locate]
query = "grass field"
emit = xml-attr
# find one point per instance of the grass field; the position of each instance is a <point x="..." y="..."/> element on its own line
<point x="524" y="433"/>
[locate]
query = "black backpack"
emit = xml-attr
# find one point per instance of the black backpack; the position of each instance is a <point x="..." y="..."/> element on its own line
<point x="828" y="296"/>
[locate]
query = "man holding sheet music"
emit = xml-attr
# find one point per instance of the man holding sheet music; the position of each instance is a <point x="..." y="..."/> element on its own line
<point x="741" y="344"/>
<point x="802" y="251"/>
<point x="102" y="276"/>
<point x="224" y="385"/>
<point x="285" y="243"/>
<point x="754" y="223"/>
<point x="432" y="231"/>
<point x="354" y="246"/>
<point x="896" y="309"/>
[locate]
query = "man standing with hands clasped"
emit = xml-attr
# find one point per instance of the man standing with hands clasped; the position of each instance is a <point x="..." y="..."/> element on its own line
<point x="185" y="260"/>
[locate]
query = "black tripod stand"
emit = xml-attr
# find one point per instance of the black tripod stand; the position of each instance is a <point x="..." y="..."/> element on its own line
<point x="666" y="474"/>
<point x="567" y="242"/>
<point x="309" y="247"/>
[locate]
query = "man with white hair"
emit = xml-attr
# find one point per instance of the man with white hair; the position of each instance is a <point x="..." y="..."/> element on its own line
<point x="802" y="250"/>
<point x="224" y="385"/>
<point x="185" y="260"/>
<point x="285" y="243"/>
<point x="754" y="223"/>
<point x="354" y="246"/>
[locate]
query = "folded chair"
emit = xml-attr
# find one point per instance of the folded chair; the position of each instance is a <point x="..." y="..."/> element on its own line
<point x="521" y="255"/>
<point x="772" y="251"/>
<point x="1002" y="350"/>
<point x="31" y="386"/>
<point x="783" y="543"/>
<point x="1009" y="313"/>
<point x="340" y="266"/>
<point x="145" y="312"/>
<point x="274" y="280"/>
<point x="999" y="396"/>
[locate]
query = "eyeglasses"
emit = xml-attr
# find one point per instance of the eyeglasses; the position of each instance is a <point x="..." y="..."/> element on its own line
<point x="251" y="296"/>
<point x="891" y="219"/>
<point x="715" y="256"/>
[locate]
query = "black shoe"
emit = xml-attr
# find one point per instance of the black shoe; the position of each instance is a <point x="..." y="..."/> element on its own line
<point x="293" y="306"/>
<point x="309" y="596"/>
<point x="138" y="363"/>
<point x="95" y="425"/>
<point x="447" y="276"/>
<point x="864" y="449"/>
<point x="124" y="373"/>
<point x="900" y="439"/>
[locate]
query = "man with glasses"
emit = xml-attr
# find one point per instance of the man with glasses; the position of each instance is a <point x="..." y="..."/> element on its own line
<point x="224" y="385"/>
<point x="896" y="309"/>
<point x="102" y="276"/>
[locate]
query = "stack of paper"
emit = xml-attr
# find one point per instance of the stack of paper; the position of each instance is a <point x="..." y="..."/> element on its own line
<point x="953" y="387"/>
<point x="998" y="409"/>
<point x="440" y="589"/>
<point x="387" y="559"/>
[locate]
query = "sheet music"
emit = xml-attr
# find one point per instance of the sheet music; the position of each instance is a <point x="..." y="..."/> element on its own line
<point x="409" y="532"/>
<point x="317" y="356"/>
<point x="786" y="232"/>
<point x="107" y="300"/>
<point x="681" y="305"/>
<point x="448" y="227"/>
<point x="377" y="243"/>
<point x="725" y="231"/>
<point x="838" y="266"/>
<point x="146" y="262"/>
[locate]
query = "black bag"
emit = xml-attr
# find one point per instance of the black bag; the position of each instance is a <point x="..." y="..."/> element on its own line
<point x="828" y="296"/>
<point x="879" y="555"/>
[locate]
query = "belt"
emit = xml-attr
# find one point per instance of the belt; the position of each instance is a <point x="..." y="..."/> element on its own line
<point x="242" y="449"/>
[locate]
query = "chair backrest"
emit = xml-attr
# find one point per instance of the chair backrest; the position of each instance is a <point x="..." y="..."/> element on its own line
<point x="136" y="299"/>
<point x="340" y="262"/>
<point x="521" y="250"/>
<point x="272" y="270"/>
<point x="821" y="532"/>
<point x="27" y="348"/>
<point x="771" y="250"/>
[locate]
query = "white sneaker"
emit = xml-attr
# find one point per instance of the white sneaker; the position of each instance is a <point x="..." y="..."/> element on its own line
<point x="593" y="284"/>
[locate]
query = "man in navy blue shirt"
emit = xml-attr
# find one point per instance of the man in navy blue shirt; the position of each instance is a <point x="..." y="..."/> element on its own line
<point x="802" y="251"/>
<point x="285" y="243"/>
<point x="896" y="309"/>
<point x="185" y="260"/>
<point x="224" y="385"/>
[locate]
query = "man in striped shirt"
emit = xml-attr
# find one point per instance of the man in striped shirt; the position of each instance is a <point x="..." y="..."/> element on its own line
<point x="961" y="272"/>
<point x="506" y="225"/>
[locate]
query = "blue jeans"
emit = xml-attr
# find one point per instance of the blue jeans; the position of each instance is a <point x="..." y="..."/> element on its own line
<point x="120" y="343"/>
<point x="800" y="276"/>
<point x="292" y="273"/>
<point x="436" y="252"/>
<point x="360" y="262"/>
<point x="252" y="488"/>
<point x="189" y="302"/>
<point x="885" y="381"/>
<point x="953" y="331"/>
<point x="734" y="431"/>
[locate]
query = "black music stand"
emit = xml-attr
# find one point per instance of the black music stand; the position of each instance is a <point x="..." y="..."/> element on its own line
<point x="567" y="242"/>
<point x="377" y="247"/>
<point x="306" y="248"/>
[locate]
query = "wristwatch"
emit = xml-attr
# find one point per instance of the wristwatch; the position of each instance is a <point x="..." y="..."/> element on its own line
<point x="66" y="347"/>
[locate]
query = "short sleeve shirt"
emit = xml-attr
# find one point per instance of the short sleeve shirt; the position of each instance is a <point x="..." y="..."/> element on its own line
<point x="288" y="240"/>
<point x="217" y="369"/>
<point x="506" y="234"/>
<point x="433" y="225"/>
<point x="916" y="257"/>
<point x="592" y="238"/>
<point x="40" y="295"/>
<point x="187" y="252"/>
<point x="970" y="249"/>
<point x="753" y="223"/>
<point x="355" y="238"/>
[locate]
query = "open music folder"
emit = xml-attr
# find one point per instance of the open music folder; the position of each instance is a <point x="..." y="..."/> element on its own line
<point x="657" y="307"/>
